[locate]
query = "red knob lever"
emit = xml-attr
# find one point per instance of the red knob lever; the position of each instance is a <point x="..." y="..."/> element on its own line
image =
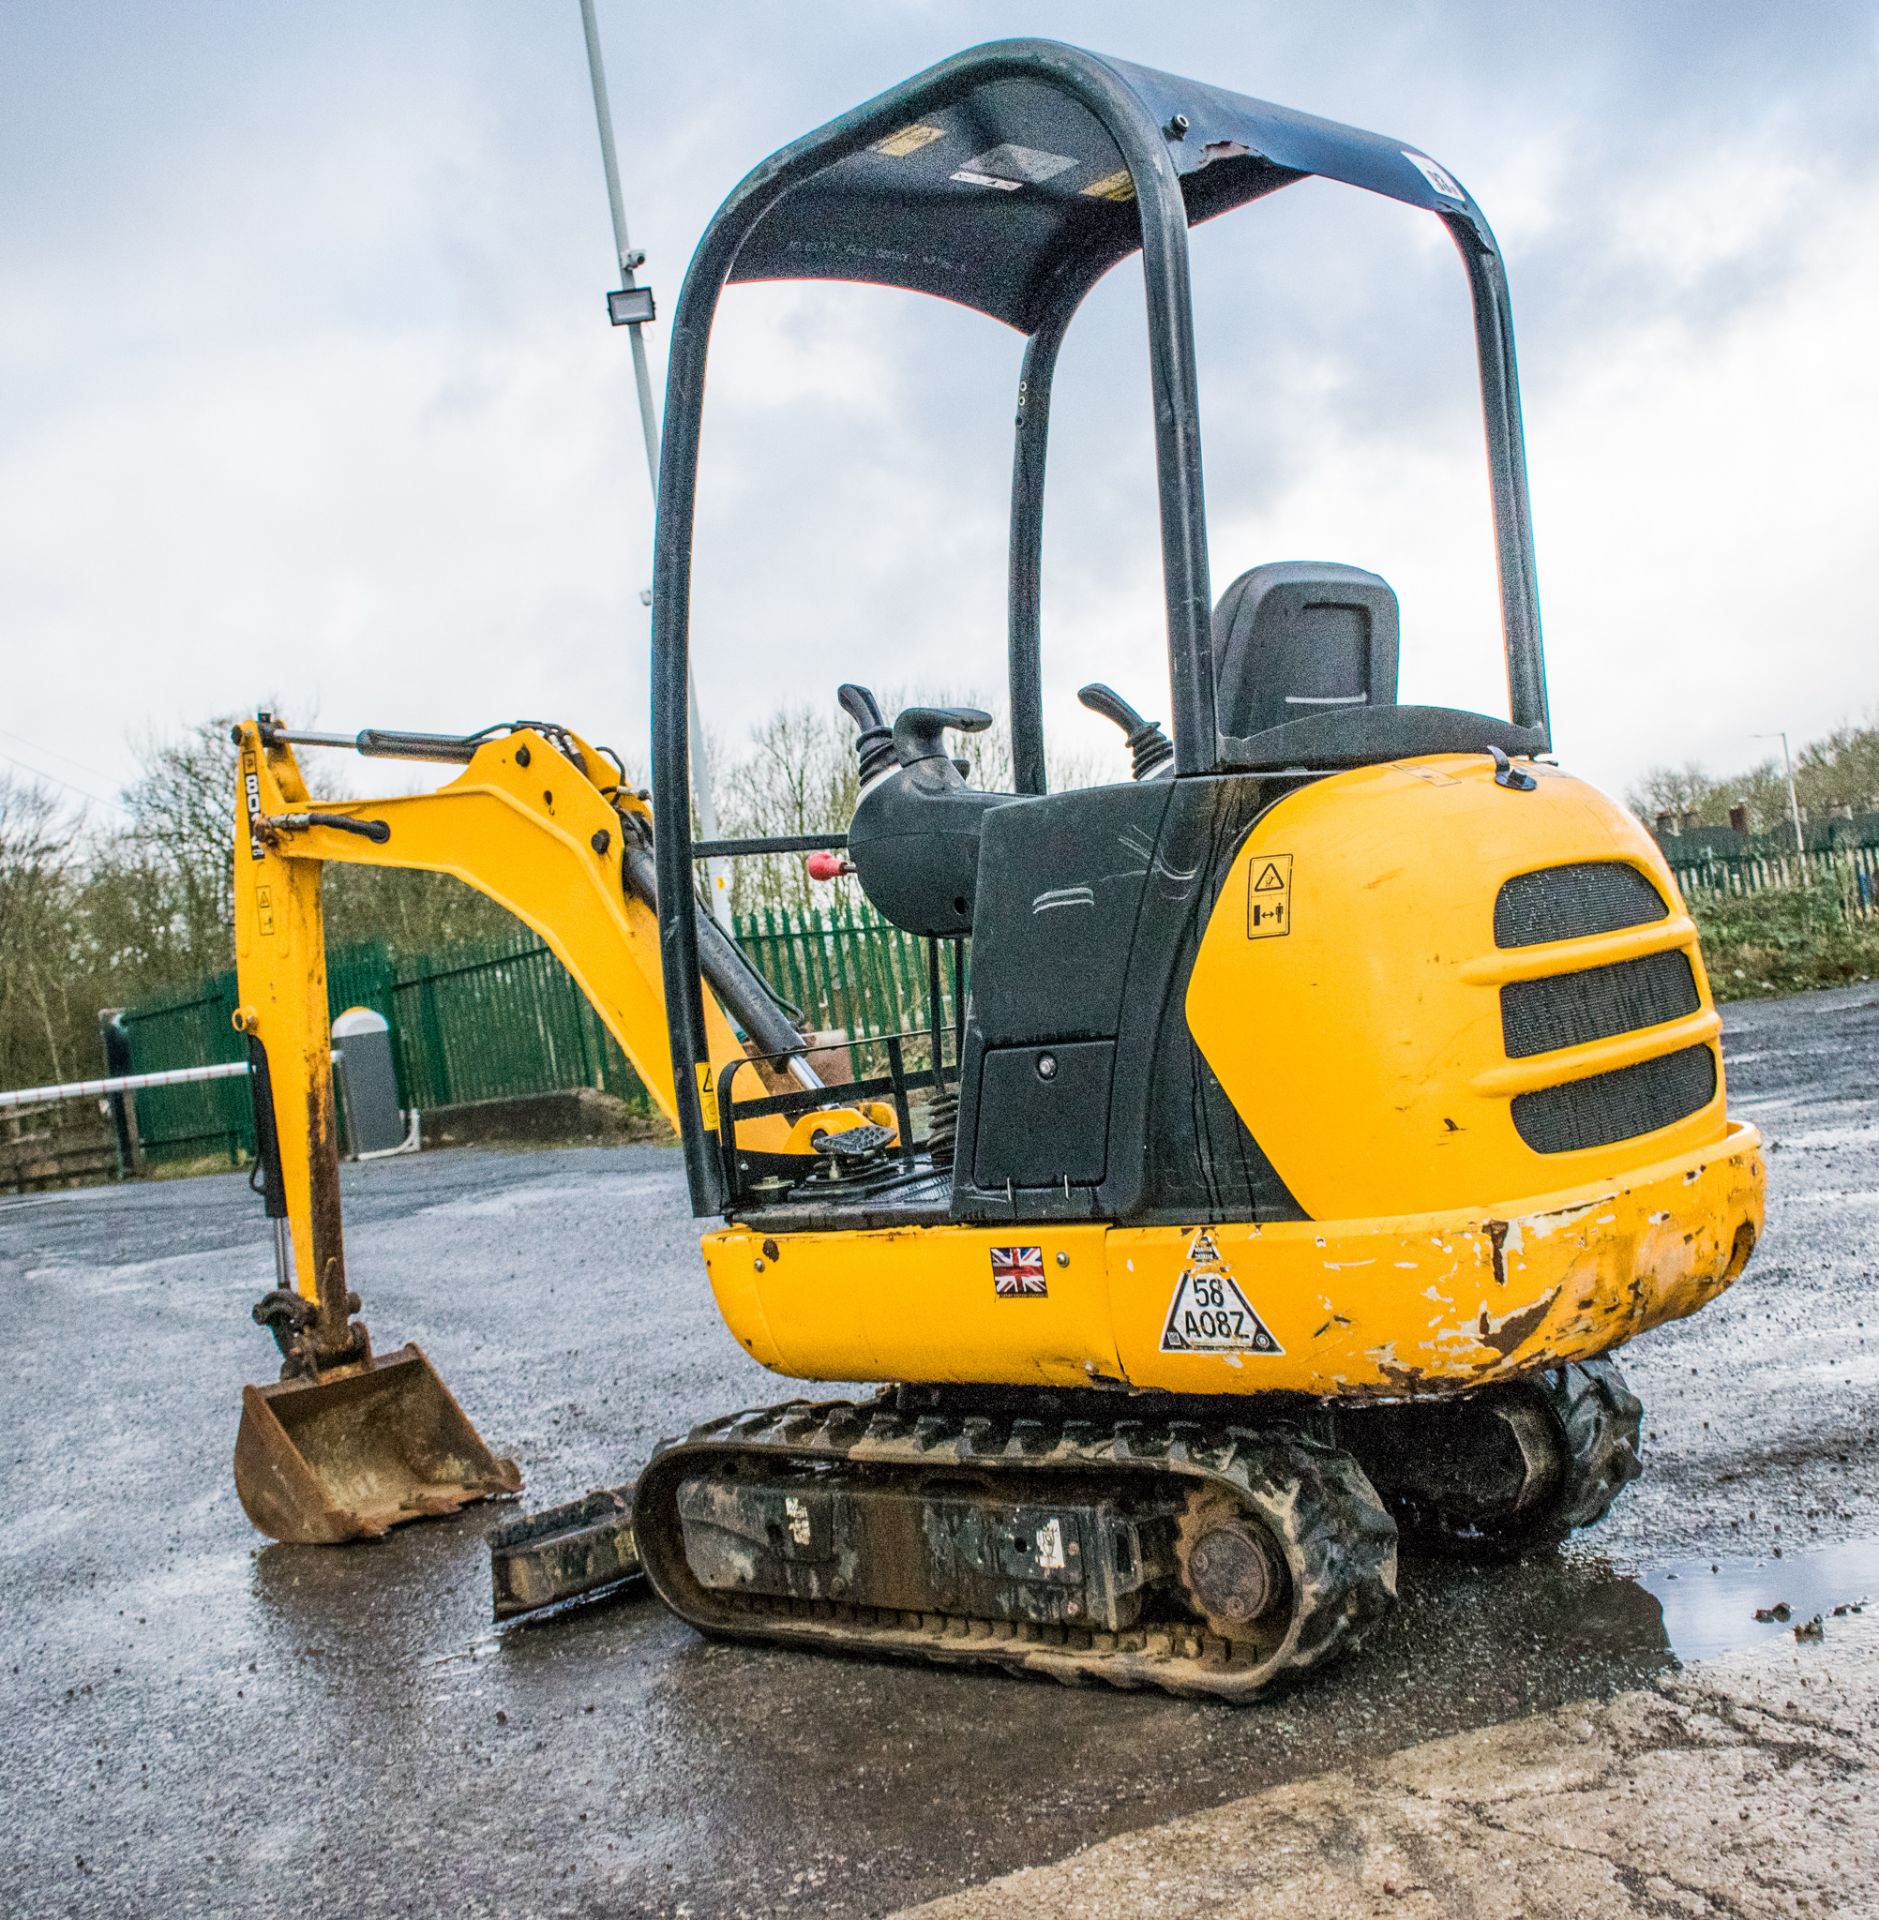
<point x="829" y="866"/>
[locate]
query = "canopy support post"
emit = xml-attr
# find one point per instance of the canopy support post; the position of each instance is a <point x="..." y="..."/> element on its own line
<point x="1030" y="449"/>
<point x="1507" y="473"/>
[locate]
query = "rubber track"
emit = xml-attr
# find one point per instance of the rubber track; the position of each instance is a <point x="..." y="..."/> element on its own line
<point x="1599" y="1418"/>
<point x="1339" y="1540"/>
<point x="1596" y="1419"/>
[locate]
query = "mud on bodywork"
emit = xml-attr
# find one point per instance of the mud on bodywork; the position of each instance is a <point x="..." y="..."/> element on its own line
<point x="1447" y="1304"/>
<point x="1429" y="1303"/>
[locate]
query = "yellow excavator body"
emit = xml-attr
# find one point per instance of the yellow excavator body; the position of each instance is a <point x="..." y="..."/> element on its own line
<point x="1450" y="1242"/>
<point x="1403" y="1304"/>
<point x="1385" y="882"/>
<point x="1314" y="1112"/>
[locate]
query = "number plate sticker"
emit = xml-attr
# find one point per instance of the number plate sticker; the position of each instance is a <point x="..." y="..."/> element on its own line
<point x="1209" y="1314"/>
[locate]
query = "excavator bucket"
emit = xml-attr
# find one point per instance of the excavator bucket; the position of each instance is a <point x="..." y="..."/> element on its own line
<point x="353" y="1454"/>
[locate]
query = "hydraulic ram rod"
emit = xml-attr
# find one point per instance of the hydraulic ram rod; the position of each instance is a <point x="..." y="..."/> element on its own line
<point x="387" y="743"/>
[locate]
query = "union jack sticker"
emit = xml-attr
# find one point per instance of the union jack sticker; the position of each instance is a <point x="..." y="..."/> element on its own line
<point x="1018" y="1273"/>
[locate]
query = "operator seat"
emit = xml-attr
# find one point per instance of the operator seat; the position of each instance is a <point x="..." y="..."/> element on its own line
<point x="1298" y="638"/>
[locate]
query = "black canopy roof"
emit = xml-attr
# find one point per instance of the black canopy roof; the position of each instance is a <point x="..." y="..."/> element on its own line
<point x="1012" y="192"/>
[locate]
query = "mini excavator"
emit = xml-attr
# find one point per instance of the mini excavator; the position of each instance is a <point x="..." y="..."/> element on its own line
<point x="1328" y="1100"/>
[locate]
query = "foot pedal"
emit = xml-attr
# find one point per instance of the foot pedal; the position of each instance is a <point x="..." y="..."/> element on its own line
<point x="563" y="1553"/>
<point x="853" y="1144"/>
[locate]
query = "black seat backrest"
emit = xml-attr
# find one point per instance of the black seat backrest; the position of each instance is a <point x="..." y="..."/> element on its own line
<point x="1298" y="638"/>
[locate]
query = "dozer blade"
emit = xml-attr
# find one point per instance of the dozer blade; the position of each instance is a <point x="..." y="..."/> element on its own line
<point x="572" y="1552"/>
<point x="353" y="1455"/>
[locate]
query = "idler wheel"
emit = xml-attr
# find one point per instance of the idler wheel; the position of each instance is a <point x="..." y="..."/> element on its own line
<point x="1232" y="1569"/>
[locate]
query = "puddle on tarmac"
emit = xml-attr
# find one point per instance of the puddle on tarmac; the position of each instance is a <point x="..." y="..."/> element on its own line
<point x="1710" y="1605"/>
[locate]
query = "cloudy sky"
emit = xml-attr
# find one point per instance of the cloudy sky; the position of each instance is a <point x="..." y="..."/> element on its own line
<point x="306" y="391"/>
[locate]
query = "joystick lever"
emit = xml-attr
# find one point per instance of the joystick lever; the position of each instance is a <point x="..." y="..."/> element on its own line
<point x="919" y="732"/>
<point x="1150" y="749"/>
<point x="874" y="739"/>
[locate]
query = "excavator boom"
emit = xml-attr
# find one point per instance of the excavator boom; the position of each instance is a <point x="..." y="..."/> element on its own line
<point x="349" y="1443"/>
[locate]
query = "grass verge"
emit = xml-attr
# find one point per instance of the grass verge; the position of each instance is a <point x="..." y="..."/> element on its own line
<point x="1784" y="941"/>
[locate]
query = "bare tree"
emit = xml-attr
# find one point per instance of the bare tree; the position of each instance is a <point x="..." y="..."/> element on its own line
<point x="38" y="934"/>
<point x="798" y="776"/>
<point x="1690" y="795"/>
<point x="158" y="891"/>
<point x="1837" y="773"/>
<point x="1840" y="771"/>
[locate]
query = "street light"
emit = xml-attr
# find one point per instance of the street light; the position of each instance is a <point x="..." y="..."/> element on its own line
<point x="631" y="306"/>
<point x="1794" y="805"/>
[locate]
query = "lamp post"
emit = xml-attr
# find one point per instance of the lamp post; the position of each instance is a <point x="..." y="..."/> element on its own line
<point x="1794" y="805"/>
<point x="631" y="307"/>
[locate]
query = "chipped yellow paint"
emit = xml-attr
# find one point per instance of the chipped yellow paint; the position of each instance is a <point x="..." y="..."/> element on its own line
<point x="1575" y="1273"/>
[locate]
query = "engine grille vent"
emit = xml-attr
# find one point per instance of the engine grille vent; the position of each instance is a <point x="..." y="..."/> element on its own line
<point x="1619" y="1105"/>
<point x="1567" y="903"/>
<point x="1568" y="1009"/>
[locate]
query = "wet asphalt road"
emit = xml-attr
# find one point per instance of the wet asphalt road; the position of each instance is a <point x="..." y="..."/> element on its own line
<point x="197" y="1723"/>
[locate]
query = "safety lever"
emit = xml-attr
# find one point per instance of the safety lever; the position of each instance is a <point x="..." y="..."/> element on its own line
<point x="1149" y="748"/>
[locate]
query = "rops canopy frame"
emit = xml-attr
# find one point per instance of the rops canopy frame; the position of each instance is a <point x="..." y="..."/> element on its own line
<point x="1009" y="179"/>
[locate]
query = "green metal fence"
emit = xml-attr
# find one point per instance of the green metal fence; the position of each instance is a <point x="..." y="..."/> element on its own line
<point x="507" y="1020"/>
<point x="496" y="1022"/>
<point x="196" y="1029"/>
<point x="1854" y="870"/>
<point x="848" y="974"/>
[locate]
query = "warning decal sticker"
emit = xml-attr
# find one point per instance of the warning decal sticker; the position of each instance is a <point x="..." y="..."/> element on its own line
<point x="1115" y="186"/>
<point x="1209" y="1314"/>
<point x="1010" y="167"/>
<point x="1268" y="896"/>
<point x="1439" y="178"/>
<point x="908" y="140"/>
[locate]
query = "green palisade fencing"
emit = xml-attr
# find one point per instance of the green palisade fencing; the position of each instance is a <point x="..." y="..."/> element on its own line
<point x="507" y="1020"/>
<point x="852" y="974"/>
<point x="190" y="1030"/>
<point x="497" y="1022"/>
<point x="1855" y="870"/>
<point x="196" y="1029"/>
